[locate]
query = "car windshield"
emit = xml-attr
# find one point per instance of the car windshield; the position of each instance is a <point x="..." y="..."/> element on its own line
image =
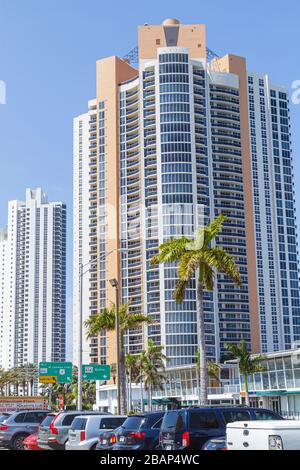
<point x="111" y="423"/>
<point x="134" y="422"/>
<point x="48" y="420"/>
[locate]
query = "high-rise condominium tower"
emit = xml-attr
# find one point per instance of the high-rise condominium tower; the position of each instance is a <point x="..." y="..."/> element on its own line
<point x="3" y="248"/>
<point x="165" y="147"/>
<point x="33" y="282"/>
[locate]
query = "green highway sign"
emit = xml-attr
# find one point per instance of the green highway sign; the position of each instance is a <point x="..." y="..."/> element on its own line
<point x="61" y="370"/>
<point x="95" y="372"/>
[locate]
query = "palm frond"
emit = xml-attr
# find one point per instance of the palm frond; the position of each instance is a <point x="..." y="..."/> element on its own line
<point x="223" y="262"/>
<point x="105" y="320"/>
<point x="208" y="277"/>
<point x="170" y="251"/>
<point x="179" y="291"/>
<point x="212" y="230"/>
<point x="134" y="320"/>
<point x="188" y="264"/>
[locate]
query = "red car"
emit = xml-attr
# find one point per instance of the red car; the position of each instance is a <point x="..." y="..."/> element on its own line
<point x="30" y="443"/>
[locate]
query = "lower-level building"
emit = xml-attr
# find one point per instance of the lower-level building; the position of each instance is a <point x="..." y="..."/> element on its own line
<point x="278" y="386"/>
<point x="178" y="389"/>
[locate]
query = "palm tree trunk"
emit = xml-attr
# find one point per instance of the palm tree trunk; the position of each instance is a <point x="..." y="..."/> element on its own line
<point x="130" y="391"/>
<point x="247" y="391"/>
<point x="150" y="396"/>
<point x="142" y="393"/>
<point x="198" y="383"/>
<point x="201" y="344"/>
<point x="123" y="377"/>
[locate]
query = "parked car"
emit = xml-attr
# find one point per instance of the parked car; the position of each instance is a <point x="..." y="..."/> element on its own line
<point x="84" y="431"/>
<point x="30" y="443"/>
<point x="139" y="432"/>
<point x="44" y="431"/>
<point x="190" y="428"/>
<point x="219" y="443"/>
<point x="107" y="439"/>
<point x="18" y="426"/>
<point x="54" y="431"/>
<point x="263" y="435"/>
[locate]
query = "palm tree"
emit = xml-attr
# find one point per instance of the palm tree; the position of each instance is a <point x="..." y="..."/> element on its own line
<point x="198" y="259"/>
<point x="247" y="365"/>
<point x="152" y="371"/>
<point x="131" y="362"/>
<point x="213" y="371"/>
<point x="32" y="376"/>
<point x="141" y="364"/>
<point x="28" y="374"/>
<point x="106" y="321"/>
<point x="7" y="378"/>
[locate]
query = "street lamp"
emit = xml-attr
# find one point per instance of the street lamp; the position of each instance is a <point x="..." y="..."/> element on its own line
<point x="114" y="283"/>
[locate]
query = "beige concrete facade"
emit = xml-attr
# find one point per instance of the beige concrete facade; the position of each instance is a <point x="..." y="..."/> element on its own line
<point x="110" y="72"/>
<point x="237" y="65"/>
<point x="151" y="37"/>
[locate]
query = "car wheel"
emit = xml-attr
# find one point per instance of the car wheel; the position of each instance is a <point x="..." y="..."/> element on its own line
<point x="17" y="443"/>
<point x="93" y="447"/>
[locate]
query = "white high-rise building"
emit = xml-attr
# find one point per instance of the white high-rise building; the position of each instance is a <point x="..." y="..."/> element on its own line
<point x="33" y="281"/>
<point x="81" y="202"/>
<point x="3" y="248"/>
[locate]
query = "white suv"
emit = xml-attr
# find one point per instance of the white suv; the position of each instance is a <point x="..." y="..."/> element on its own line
<point x="85" y="430"/>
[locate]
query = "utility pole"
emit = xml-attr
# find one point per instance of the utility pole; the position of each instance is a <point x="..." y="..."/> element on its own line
<point x="114" y="283"/>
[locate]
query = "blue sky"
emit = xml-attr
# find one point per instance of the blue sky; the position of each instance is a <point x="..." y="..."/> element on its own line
<point x="48" y="51"/>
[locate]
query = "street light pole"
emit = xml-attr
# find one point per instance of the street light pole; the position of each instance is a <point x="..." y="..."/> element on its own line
<point x="114" y="283"/>
<point x="80" y="329"/>
<point x="118" y="349"/>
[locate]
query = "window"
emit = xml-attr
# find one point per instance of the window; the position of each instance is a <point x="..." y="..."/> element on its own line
<point x="158" y="423"/>
<point x="68" y="420"/>
<point x="232" y="416"/>
<point x="265" y="415"/>
<point x="79" y="424"/>
<point x="20" y="418"/>
<point x="180" y="422"/>
<point x="134" y="422"/>
<point x="34" y="417"/>
<point x="170" y="420"/>
<point x="111" y="423"/>
<point x="203" y="420"/>
<point x="48" y="420"/>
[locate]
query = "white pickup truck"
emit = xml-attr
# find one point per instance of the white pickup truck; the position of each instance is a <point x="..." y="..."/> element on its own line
<point x="263" y="435"/>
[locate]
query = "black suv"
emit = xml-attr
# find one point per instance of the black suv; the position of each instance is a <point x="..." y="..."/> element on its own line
<point x="191" y="428"/>
<point x="139" y="432"/>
